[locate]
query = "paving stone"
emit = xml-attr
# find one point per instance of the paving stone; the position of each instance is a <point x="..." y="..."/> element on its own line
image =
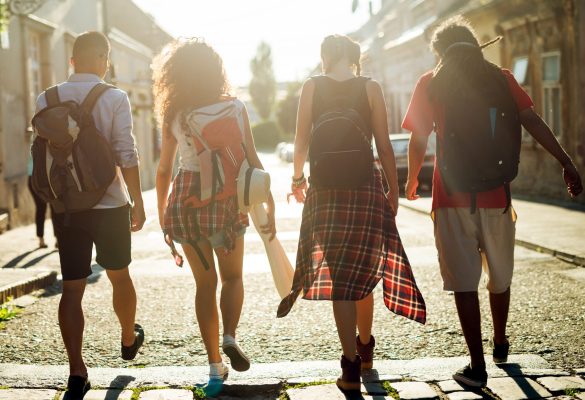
<point x="560" y="383"/>
<point x="373" y="388"/>
<point x="166" y="394"/>
<point x="538" y="373"/>
<point x="581" y="396"/>
<point x="414" y="390"/>
<point x="25" y="301"/>
<point x="329" y="392"/>
<point x="27" y="394"/>
<point x="517" y="388"/>
<point x="450" y="386"/>
<point x="464" y="396"/>
<point x="111" y="394"/>
<point x="580" y="371"/>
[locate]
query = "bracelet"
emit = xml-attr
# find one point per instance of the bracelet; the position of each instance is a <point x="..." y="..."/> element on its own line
<point x="299" y="181"/>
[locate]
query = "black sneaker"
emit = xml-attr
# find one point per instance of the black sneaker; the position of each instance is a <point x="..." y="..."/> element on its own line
<point x="500" y="353"/>
<point x="77" y="387"/>
<point x="129" y="352"/>
<point x="474" y="377"/>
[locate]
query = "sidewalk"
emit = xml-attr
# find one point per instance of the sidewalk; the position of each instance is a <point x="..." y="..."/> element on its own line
<point x="550" y="229"/>
<point x="524" y="377"/>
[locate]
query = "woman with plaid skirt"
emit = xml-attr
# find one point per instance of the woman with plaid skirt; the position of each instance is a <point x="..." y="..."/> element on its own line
<point x="190" y="86"/>
<point x="348" y="239"/>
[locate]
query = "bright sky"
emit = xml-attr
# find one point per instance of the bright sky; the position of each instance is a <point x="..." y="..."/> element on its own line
<point x="293" y="28"/>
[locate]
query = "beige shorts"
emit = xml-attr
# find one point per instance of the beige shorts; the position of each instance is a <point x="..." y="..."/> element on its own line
<point x="467" y="242"/>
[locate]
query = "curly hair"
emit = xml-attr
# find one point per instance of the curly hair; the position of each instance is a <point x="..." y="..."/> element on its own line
<point x="187" y="74"/>
<point x="462" y="67"/>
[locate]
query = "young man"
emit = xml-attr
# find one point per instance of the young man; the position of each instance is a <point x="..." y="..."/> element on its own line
<point x="109" y="223"/>
<point x="475" y="224"/>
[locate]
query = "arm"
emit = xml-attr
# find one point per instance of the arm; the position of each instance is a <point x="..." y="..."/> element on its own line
<point x="254" y="161"/>
<point x="302" y="138"/>
<point x="540" y="131"/>
<point x="382" y="138"/>
<point x="124" y="148"/>
<point x="164" y="171"/>
<point x="417" y="147"/>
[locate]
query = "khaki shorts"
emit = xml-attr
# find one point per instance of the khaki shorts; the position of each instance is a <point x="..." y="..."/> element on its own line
<point x="467" y="242"/>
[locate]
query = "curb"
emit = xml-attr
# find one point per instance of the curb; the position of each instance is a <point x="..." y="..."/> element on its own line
<point x="28" y="285"/>
<point x="566" y="257"/>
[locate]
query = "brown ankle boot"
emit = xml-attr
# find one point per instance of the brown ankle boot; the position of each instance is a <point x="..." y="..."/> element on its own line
<point x="366" y="352"/>
<point x="350" y="375"/>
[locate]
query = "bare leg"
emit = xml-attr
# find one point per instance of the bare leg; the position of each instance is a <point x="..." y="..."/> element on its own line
<point x="205" y="300"/>
<point x="71" y="322"/>
<point x="124" y="301"/>
<point x="365" y="316"/>
<point x="500" y="305"/>
<point x="345" y="319"/>
<point x="232" y="287"/>
<point x="470" y="319"/>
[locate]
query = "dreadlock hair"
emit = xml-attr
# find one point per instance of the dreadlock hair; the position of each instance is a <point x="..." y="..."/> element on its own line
<point x="462" y="67"/>
<point x="336" y="47"/>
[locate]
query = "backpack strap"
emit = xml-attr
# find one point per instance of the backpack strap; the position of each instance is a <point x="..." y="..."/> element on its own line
<point x="52" y="96"/>
<point x="94" y="94"/>
<point x="508" y="197"/>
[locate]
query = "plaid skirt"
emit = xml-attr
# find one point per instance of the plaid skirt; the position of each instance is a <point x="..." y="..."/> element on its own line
<point x="348" y="242"/>
<point x="188" y="224"/>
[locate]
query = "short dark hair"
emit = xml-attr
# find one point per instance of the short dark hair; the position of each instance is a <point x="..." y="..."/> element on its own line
<point x="89" y="46"/>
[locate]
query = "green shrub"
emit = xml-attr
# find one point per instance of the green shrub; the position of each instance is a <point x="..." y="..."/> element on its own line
<point x="267" y="135"/>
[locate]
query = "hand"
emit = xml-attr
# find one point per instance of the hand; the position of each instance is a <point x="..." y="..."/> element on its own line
<point x="298" y="191"/>
<point x="270" y="227"/>
<point x="572" y="179"/>
<point x="137" y="216"/>
<point x="392" y="198"/>
<point x="411" y="186"/>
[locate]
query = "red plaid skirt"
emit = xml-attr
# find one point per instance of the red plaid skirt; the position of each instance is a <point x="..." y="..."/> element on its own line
<point x="348" y="242"/>
<point x="187" y="224"/>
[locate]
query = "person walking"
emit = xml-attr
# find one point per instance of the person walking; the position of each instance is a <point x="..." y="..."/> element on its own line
<point x="200" y="120"/>
<point x="477" y="110"/>
<point x="348" y="238"/>
<point x="109" y="223"/>
<point x="40" y="211"/>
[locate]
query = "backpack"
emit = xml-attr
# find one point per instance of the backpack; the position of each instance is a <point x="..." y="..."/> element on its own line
<point x="73" y="164"/>
<point x="340" y="151"/>
<point x="480" y="148"/>
<point x="217" y="132"/>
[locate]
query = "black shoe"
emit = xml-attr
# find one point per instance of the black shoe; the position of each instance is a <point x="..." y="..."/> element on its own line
<point x="77" y="387"/>
<point x="474" y="377"/>
<point x="129" y="352"/>
<point x="500" y="353"/>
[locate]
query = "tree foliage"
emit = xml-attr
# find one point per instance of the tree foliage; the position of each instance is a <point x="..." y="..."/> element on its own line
<point x="4" y="15"/>
<point x="286" y="113"/>
<point x="263" y="84"/>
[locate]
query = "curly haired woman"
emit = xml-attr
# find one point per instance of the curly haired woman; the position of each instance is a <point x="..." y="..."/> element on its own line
<point x="188" y="77"/>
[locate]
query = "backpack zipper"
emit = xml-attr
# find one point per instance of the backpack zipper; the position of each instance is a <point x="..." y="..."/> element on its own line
<point x="73" y="172"/>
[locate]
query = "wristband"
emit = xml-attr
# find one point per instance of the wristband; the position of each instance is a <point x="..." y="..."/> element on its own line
<point x="299" y="181"/>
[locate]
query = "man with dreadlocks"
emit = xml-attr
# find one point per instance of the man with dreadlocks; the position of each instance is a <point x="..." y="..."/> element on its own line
<point x="477" y="110"/>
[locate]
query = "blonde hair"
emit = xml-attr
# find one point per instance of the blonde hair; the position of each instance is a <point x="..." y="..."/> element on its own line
<point x="337" y="47"/>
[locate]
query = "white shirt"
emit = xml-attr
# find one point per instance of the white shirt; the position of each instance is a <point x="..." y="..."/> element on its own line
<point x="113" y="119"/>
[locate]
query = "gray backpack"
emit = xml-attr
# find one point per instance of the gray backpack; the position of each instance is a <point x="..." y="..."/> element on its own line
<point x="73" y="164"/>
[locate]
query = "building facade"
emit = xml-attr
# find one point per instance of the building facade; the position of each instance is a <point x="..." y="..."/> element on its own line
<point x="543" y="45"/>
<point x="35" y="49"/>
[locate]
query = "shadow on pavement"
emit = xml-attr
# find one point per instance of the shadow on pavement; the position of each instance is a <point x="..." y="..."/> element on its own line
<point x="116" y="386"/>
<point x="515" y="371"/>
<point x="36" y="260"/>
<point x="14" y="262"/>
<point x="57" y="287"/>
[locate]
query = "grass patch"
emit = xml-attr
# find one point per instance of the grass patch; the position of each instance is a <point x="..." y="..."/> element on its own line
<point x="390" y="390"/>
<point x="4" y="387"/>
<point x="137" y="366"/>
<point x="571" y="392"/>
<point x="8" y="311"/>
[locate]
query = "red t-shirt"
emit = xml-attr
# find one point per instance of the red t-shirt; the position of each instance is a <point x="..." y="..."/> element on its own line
<point x="423" y="115"/>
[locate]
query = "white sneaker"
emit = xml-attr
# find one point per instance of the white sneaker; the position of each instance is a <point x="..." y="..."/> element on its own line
<point x="238" y="359"/>
<point x="218" y="371"/>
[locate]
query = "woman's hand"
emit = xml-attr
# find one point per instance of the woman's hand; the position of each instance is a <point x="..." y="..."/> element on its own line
<point x="270" y="227"/>
<point x="298" y="191"/>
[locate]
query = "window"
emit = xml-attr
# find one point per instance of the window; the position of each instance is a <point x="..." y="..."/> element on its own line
<point x="35" y="75"/>
<point x="551" y="88"/>
<point x="520" y="70"/>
